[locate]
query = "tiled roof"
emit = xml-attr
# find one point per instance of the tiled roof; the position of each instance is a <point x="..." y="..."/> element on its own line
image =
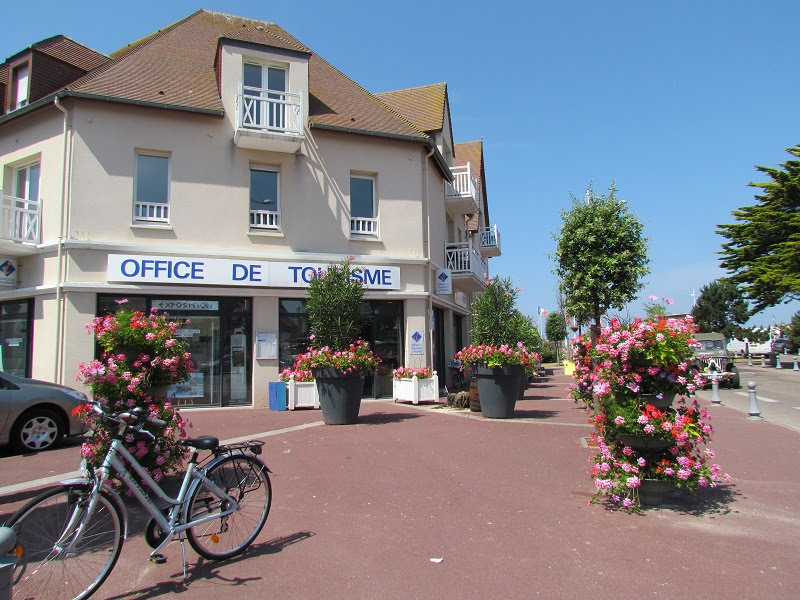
<point x="472" y="153"/>
<point x="71" y="52"/>
<point x="175" y="66"/>
<point x="424" y="106"/>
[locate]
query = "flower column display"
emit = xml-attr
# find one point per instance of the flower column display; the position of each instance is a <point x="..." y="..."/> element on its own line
<point x="627" y="380"/>
<point x="141" y="357"/>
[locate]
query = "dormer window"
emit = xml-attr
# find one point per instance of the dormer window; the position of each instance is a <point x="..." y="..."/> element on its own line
<point x="266" y="104"/>
<point x="19" y="86"/>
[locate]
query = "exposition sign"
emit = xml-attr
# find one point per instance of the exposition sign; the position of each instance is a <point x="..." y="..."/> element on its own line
<point x="225" y="271"/>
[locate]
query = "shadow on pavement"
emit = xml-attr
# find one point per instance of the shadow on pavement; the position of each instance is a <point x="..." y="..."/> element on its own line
<point x="208" y="571"/>
<point x="534" y="414"/>
<point x="384" y="418"/>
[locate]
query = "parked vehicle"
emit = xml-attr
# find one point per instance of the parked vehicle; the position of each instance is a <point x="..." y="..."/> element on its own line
<point x="738" y="347"/>
<point x="760" y="348"/>
<point x="780" y="345"/>
<point x="36" y="415"/>
<point x="711" y="356"/>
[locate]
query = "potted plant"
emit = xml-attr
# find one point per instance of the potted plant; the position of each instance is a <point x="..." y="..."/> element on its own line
<point x="337" y="358"/>
<point x="301" y="389"/>
<point x="498" y="357"/>
<point x="413" y="385"/>
<point x="646" y="448"/>
<point x="141" y="358"/>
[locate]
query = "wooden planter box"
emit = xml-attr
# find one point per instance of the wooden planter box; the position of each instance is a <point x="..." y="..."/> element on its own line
<point x="301" y="394"/>
<point x="415" y="390"/>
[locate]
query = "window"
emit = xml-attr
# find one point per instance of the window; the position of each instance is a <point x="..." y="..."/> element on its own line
<point x="19" y="87"/>
<point x="265" y="100"/>
<point x="25" y="210"/>
<point x="264" y="203"/>
<point x="151" y="188"/>
<point x="363" y="211"/>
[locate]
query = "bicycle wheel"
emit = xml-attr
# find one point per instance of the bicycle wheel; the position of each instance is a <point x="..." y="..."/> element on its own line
<point x="246" y="480"/>
<point x="43" y="571"/>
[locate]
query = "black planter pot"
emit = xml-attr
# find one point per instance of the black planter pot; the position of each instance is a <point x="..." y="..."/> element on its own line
<point x="645" y="442"/>
<point x="498" y="389"/>
<point x="339" y="395"/>
<point x="660" y="403"/>
<point x="653" y="492"/>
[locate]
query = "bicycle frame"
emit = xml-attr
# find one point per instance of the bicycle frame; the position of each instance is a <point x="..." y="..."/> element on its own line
<point x="172" y="525"/>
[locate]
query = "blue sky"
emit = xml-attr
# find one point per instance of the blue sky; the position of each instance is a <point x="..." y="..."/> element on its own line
<point x="675" y="102"/>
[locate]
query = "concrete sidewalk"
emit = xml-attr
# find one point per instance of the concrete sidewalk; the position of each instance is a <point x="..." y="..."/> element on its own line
<point x="424" y="502"/>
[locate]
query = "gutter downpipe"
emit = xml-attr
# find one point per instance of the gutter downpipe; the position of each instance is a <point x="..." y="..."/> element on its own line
<point x="427" y="244"/>
<point x="58" y="375"/>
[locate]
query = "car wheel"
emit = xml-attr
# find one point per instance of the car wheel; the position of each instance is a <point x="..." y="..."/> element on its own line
<point x="735" y="382"/>
<point x="37" y="429"/>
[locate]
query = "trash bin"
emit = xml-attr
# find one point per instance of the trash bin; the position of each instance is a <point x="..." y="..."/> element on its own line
<point x="277" y="395"/>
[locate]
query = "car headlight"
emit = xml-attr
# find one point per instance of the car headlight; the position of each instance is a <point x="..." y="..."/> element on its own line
<point x="79" y="395"/>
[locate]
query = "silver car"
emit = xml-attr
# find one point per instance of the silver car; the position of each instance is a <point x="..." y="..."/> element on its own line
<point x="35" y="415"/>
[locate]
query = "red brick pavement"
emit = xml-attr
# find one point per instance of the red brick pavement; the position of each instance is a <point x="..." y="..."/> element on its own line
<point x="360" y="511"/>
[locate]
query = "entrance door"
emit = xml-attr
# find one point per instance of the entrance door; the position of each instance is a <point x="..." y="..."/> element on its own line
<point x="202" y="335"/>
<point x="383" y="329"/>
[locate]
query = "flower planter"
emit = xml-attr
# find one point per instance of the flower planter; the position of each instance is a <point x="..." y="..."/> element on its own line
<point x="498" y="389"/>
<point x="645" y="442"/>
<point x="660" y="403"/>
<point x="474" y="397"/>
<point x="415" y="390"/>
<point x="653" y="492"/>
<point x="339" y="395"/>
<point x="301" y="394"/>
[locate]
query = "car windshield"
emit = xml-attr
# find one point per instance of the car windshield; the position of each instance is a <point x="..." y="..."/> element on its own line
<point x="710" y="345"/>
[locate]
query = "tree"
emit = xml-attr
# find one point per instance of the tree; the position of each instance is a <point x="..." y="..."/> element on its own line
<point x="763" y="251"/>
<point x="495" y="319"/>
<point x="601" y="255"/>
<point x="555" y="328"/>
<point x="334" y="307"/>
<point x="793" y="332"/>
<point x="722" y="308"/>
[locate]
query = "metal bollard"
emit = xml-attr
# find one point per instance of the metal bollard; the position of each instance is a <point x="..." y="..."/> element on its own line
<point x="754" y="411"/>
<point x="778" y="361"/>
<point x="716" y="400"/>
<point x="795" y="367"/>
<point x="763" y="361"/>
<point x="8" y="539"/>
<point x="749" y="360"/>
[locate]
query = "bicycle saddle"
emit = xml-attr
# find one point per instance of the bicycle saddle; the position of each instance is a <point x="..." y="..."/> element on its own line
<point x="204" y="442"/>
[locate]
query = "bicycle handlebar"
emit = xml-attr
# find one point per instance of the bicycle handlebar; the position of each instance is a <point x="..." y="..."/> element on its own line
<point x="123" y="417"/>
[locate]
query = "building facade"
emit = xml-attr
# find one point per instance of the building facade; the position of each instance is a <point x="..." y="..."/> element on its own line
<point x="209" y="171"/>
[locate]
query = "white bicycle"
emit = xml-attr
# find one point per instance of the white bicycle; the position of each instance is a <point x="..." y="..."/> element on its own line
<point x="69" y="538"/>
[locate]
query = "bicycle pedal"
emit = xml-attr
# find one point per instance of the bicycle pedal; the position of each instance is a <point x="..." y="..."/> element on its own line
<point x="158" y="559"/>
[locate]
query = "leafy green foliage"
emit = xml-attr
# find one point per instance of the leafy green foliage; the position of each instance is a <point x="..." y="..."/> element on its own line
<point x="555" y="327"/>
<point x="334" y="307"/>
<point x="495" y="320"/>
<point x="793" y="332"/>
<point x="721" y="308"/>
<point x="763" y="251"/>
<point x="601" y="255"/>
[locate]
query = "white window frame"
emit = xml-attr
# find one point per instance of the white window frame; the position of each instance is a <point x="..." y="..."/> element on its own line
<point x="154" y="212"/>
<point x="20" y="97"/>
<point x="265" y="118"/>
<point x="364" y="226"/>
<point x="265" y="220"/>
<point x="26" y="170"/>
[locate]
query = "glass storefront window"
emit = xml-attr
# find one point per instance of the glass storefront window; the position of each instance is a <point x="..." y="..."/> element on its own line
<point x="293" y="331"/>
<point x="218" y="336"/>
<point x="16" y="328"/>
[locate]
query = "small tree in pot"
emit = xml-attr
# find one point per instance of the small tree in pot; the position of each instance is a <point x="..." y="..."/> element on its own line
<point x="337" y="358"/>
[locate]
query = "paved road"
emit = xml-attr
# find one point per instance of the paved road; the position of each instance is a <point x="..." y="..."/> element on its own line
<point x="778" y="391"/>
<point x="419" y="502"/>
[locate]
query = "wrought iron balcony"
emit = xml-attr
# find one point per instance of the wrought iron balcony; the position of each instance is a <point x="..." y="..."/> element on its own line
<point x="489" y="241"/>
<point x="20" y="221"/>
<point x="467" y="265"/>
<point x="461" y="196"/>
<point x="269" y="119"/>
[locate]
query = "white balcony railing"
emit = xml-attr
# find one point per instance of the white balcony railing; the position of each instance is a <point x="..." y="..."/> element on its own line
<point x="265" y="219"/>
<point x="151" y="212"/>
<point x="19" y="220"/>
<point x="463" y="259"/>
<point x="490" y="240"/>
<point x="464" y="184"/>
<point x="269" y="111"/>
<point x="363" y="226"/>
